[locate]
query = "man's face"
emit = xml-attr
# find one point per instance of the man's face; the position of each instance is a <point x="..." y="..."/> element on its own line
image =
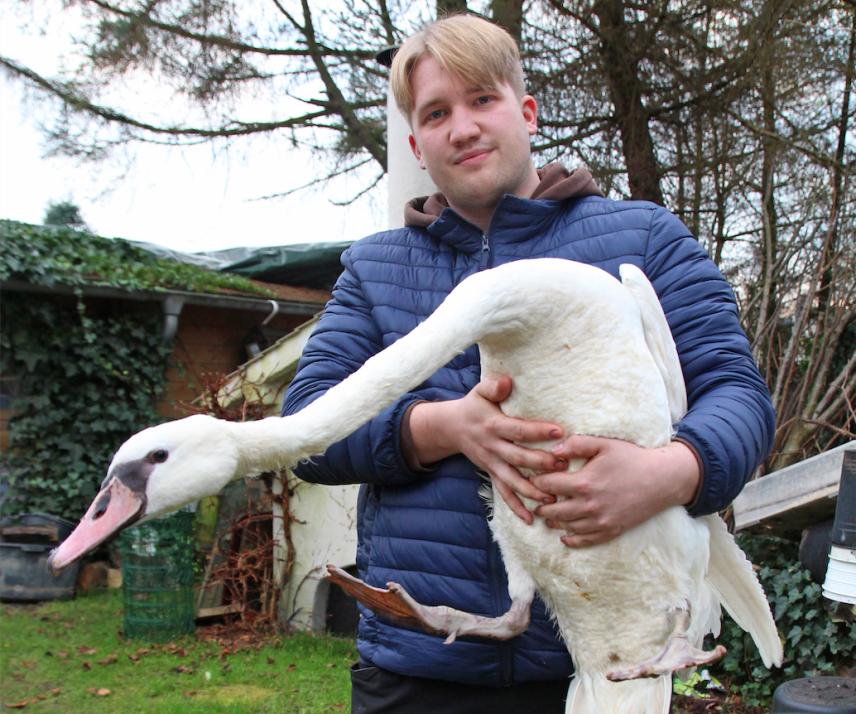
<point x="474" y="141"/>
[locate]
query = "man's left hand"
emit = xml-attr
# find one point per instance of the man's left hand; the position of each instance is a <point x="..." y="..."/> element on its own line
<point x="620" y="486"/>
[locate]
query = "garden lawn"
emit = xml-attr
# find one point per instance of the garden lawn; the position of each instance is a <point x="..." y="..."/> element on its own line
<point x="70" y="657"/>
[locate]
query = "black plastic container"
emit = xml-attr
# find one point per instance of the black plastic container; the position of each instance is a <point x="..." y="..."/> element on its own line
<point x="816" y="695"/>
<point x="26" y="540"/>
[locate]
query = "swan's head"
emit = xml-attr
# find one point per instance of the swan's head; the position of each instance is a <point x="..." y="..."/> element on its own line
<point x="153" y="473"/>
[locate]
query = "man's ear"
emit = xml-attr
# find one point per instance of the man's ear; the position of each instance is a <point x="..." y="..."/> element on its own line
<point x="415" y="149"/>
<point x="530" y="113"/>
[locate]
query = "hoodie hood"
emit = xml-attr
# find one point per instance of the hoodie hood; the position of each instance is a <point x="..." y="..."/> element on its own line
<point x="557" y="184"/>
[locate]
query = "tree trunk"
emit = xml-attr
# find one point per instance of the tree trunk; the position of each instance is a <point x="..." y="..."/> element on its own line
<point x="765" y="328"/>
<point x="621" y="69"/>
<point x="508" y="14"/>
<point x="450" y="7"/>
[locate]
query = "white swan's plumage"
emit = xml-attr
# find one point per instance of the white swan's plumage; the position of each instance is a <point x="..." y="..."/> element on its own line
<point x="584" y="351"/>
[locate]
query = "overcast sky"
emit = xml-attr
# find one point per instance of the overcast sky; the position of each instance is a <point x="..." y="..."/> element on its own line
<point x="188" y="199"/>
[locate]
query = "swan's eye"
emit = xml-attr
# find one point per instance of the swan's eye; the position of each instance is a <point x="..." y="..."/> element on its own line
<point x="158" y="456"/>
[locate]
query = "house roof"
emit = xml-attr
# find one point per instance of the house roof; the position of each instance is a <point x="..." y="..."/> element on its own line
<point x="62" y="259"/>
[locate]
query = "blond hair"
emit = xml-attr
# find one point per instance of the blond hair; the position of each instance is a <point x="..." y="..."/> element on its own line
<point x="464" y="46"/>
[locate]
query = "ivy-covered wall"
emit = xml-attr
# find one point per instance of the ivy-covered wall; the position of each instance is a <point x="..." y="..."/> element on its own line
<point x="84" y="384"/>
<point x="83" y="374"/>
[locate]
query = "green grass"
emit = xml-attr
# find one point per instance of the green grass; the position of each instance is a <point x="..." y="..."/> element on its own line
<point x="57" y="656"/>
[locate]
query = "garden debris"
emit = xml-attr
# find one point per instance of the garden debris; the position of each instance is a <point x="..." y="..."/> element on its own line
<point x="110" y="659"/>
<point x="86" y="650"/>
<point x="56" y="691"/>
<point x="102" y="692"/>
<point x="92" y="577"/>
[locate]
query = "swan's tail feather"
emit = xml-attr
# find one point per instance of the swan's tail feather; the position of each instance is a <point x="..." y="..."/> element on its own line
<point x="595" y="694"/>
<point x="730" y="574"/>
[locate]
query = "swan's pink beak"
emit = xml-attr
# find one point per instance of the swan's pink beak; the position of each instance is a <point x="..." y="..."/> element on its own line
<point x="115" y="507"/>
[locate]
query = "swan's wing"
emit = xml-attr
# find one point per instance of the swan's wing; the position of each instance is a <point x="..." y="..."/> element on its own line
<point x="658" y="337"/>
<point x="730" y="574"/>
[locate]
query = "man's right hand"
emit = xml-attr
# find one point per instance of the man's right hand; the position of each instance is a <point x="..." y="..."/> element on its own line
<point x="475" y="426"/>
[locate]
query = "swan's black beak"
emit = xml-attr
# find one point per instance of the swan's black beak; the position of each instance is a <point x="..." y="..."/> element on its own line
<point x="115" y="507"/>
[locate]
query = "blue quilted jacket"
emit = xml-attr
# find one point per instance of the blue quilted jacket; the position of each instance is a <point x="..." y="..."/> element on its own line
<point x="428" y="531"/>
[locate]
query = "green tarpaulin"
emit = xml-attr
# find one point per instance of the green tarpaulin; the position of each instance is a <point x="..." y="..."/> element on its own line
<point x="313" y="265"/>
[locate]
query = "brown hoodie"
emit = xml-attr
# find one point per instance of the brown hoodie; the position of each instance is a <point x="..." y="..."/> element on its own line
<point x="557" y="184"/>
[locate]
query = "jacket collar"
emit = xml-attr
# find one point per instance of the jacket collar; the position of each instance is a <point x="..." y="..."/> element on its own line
<point x="515" y="219"/>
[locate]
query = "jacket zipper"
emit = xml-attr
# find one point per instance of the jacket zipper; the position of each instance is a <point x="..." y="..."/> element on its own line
<point x="485" y="255"/>
<point x="497" y="584"/>
<point x="497" y="568"/>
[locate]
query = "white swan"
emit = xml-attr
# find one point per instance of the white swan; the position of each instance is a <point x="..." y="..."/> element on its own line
<point x="624" y="607"/>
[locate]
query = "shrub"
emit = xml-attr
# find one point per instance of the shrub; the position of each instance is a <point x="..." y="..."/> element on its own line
<point x="814" y="642"/>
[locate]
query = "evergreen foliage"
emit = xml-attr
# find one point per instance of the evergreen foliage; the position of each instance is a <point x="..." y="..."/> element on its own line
<point x="814" y="642"/>
<point x="85" y="385"/>
<point x="51" y="255"/>
<point x="85" y="382"/>
<point x="64" y="213"/>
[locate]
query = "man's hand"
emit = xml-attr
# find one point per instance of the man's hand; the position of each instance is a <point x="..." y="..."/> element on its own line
<point x="475" y="426"/>
<point x="620" y="486"/>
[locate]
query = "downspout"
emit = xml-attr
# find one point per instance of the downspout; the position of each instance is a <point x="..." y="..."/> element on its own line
<point x="172" y="307"/>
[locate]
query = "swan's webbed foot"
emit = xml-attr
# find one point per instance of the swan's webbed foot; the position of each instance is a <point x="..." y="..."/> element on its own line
<point x="396" y="605"/>
<point x="676" y="654"/>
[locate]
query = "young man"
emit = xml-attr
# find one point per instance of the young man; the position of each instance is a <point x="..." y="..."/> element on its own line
<point x="421" y="520"/>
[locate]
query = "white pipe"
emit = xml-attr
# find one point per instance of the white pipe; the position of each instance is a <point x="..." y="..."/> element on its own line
<point x="405" y="179"/>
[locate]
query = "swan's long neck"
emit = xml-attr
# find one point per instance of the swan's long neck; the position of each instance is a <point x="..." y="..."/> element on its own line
<point x="459" y="322"/>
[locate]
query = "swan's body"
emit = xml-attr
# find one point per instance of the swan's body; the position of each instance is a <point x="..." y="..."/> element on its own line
<point x="585" y="352"/>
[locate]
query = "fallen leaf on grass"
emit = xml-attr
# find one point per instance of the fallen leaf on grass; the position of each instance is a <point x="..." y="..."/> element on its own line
<point x="19" y="705"/>
<point x="109" y="659"/>
<point x="86" y="650"/>
<point x="56" y="691"/>
<point x="62" y="655"/>
<point x="27" y="663"/>
<point x="330" y="665"/>
<point x="182" y="669"/>
<point x="291" y="667"/>
<point x="337" y="707"/>
<point x="86" y="665"/>
<point x="271" y="660"/>
<point x="102" y="692"/>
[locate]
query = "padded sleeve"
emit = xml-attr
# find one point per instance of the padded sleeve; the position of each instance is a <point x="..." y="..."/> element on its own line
<point x="730" y="422"/>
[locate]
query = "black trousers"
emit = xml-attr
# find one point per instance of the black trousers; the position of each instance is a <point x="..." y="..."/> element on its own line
<point x="377" y="691"/>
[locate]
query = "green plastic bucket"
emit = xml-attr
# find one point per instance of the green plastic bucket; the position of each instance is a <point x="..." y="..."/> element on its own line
<point x="157" y="578"/>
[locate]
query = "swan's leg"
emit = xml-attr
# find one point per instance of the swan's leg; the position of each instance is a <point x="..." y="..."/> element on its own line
<point x="396" y="605"/>
<point x="677" y="653"/>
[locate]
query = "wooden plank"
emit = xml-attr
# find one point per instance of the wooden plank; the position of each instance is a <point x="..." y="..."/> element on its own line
<point x="792" y="498"/>
<point x="219" y="611"/>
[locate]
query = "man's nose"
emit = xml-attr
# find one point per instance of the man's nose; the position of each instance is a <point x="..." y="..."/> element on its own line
<point x="464" y="128"/>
